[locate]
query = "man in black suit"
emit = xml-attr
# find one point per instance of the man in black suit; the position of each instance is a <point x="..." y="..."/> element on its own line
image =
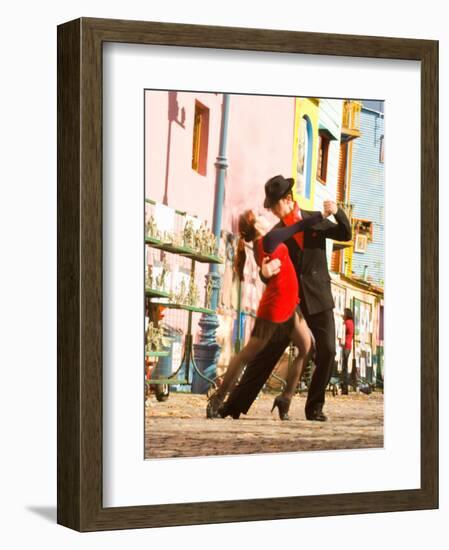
<point x="309" y="259"/>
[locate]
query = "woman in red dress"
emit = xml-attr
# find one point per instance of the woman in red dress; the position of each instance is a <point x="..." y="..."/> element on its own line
<point x="278" y="312"/>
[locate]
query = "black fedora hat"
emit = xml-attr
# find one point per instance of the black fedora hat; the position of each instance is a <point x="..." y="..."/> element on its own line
<point x="276" y="188"/>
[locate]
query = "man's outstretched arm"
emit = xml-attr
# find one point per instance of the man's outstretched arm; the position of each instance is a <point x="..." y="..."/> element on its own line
<point x="340" y="231"/>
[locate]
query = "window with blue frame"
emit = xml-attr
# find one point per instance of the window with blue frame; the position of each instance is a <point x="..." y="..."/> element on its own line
<point x="304" y="163"/>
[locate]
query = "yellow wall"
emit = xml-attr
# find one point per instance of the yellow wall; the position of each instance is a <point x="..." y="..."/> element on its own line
<point x="309" y="107"/>
<point x="347" y="259"/>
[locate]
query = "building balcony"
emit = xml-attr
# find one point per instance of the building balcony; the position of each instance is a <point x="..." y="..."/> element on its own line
<point x="350" y="126"/>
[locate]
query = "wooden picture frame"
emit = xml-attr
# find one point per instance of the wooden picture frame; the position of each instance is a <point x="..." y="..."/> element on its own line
<point x="79" y="221"/>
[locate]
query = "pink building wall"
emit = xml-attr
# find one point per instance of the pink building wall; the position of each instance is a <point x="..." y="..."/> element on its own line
<point x="259" y="146"/>
<point x="186" y="189"/>
<point x="260" y="142"/>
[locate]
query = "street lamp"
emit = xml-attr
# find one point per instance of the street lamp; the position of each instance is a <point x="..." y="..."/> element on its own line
<point x="207" y="349"/>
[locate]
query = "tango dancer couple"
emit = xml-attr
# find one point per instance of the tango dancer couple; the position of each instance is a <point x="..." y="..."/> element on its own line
<point x="296" y="304"/>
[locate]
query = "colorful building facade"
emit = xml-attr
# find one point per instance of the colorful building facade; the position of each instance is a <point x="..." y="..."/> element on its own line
<point x="309" y="139"/>
<point x="367" y="197"/>
<point x="357" y="267"/>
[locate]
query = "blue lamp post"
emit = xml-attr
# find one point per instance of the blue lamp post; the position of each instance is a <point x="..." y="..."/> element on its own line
<point x="207" y="350"/>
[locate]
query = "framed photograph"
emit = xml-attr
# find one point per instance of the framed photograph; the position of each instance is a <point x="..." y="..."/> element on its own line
<point x="244" y="332"/>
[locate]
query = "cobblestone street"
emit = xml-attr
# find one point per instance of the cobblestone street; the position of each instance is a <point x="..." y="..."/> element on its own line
<point x="178" y="427"/>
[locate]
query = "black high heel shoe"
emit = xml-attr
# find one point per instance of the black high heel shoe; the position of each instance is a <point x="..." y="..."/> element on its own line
<point x="214" y="403"/>
<point x="283" y="404"/>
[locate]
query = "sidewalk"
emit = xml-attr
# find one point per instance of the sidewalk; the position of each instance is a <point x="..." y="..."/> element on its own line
<point x="179" y="427"/>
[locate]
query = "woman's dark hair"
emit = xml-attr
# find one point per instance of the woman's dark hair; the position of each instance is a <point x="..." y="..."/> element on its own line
<point x="247" y="233"/>
<point x="348" y="313"/>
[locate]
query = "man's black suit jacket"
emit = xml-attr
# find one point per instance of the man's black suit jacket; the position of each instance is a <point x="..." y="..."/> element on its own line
<point x="311" y="262"/>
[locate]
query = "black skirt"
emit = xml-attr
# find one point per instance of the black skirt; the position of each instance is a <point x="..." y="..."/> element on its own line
<point x="269" y="331"/>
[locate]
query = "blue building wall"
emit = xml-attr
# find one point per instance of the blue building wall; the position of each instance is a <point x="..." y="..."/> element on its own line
<point x="367" y="192"/>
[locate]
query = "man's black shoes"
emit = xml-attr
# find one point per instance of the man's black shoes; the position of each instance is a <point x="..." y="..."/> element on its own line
<point x="316" y="415"/>
<point x="224" y="410"/>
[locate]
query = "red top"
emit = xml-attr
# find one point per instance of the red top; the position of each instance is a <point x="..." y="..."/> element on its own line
<point x="280" y="296"/>
<point x="290" y="219"/>
<point x="349" y="333"/>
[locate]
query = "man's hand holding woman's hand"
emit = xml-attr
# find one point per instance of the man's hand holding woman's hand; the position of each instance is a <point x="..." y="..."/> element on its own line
<point x="270" y="268"/>
<point x="329" y="208"/>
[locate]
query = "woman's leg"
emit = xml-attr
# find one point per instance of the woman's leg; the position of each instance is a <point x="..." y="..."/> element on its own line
<point x="235" y="367"/>
<point x="302" y="339"/>
<point x="344" y="371"/>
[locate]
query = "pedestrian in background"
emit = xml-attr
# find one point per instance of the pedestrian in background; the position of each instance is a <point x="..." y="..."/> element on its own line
<point x="347" y="347"/>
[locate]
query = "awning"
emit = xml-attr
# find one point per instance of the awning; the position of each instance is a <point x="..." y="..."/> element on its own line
<point x="324" y="130"/>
